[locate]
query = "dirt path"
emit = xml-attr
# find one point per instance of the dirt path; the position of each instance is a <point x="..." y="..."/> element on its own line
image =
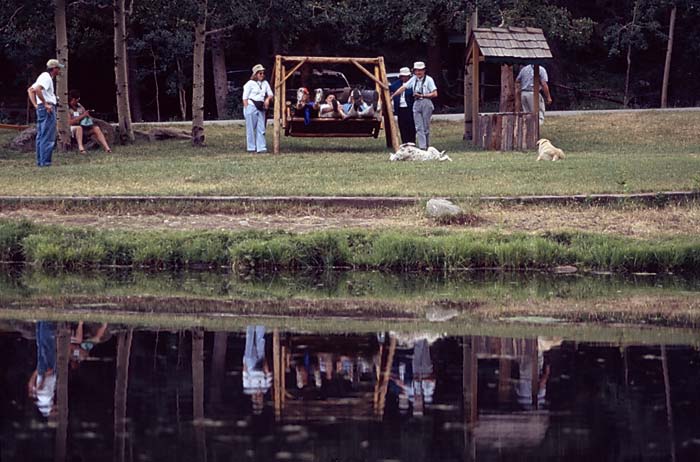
<point x="628" y="221"/>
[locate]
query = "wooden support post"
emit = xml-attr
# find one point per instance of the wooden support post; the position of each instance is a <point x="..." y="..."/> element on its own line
<point x="469" y="381"/>
<point x="283" y="94"/>
<point x="277" y="373"/>
<point x="536" y="98"/>
<point x="278" y="106"/>
<point x="390" y="127"/>
<point x="475" y="92"/>
<point x="472" y="23"/>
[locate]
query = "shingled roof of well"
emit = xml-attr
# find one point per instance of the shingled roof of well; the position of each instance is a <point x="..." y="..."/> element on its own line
<point x="512" y="43"/>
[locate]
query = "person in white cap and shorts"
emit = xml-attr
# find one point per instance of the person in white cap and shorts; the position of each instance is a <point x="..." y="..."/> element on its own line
<point x="424" y="90"/>
<point x="403" y="107"/>
<point x="43" y="98"/>
<point x="257" y="95"/>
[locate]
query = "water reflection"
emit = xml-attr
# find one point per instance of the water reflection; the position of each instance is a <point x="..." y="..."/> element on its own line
<point x="265" y="395"/>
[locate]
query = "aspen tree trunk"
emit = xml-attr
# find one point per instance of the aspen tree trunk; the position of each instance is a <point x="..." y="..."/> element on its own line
<point x="200" y="29"/>
<point x="626" y="99"/>
<point x="669" y="52"/>
<point x="121" y="73"/>
<point x="121" y="387"/>
<point x="155" y="81"/>
<point x="218" y="60"/>
<point x="62" y="120"/>
<point x="181" y="94"/>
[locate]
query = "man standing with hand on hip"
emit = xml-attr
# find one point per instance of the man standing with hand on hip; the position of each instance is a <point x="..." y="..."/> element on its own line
<point x="43" y="98"/>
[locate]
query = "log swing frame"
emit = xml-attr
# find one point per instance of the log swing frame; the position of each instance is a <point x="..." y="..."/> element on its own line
<point x="367" y="127"/>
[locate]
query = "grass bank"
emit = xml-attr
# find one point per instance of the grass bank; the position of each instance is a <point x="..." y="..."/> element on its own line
<point x="400" y="251"/>
<point x="606" y="153"/>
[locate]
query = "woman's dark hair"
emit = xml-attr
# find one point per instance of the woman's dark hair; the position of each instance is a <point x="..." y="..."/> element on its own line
<point x="74" y="94"/>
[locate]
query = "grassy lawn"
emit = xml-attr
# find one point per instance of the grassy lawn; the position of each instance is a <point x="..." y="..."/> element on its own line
<point x="631" y="152"/>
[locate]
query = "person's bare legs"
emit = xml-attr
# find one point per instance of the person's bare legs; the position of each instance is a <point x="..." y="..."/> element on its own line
<point x="79" y="139"/>
<point x="100" y="137"/>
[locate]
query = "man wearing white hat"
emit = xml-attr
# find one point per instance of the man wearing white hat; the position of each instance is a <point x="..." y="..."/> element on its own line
<point x="43" y="98"/>
<point x="424" y="90"/>
<point x="257" y="95"/>
<point x="403" y="107"/>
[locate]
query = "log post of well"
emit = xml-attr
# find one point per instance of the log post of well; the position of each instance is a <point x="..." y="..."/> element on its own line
<point x="536" y="97"/>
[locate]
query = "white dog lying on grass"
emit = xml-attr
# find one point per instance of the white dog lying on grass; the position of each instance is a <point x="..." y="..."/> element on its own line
<point x="409" y="151"/>
<point x="547" y="151"/>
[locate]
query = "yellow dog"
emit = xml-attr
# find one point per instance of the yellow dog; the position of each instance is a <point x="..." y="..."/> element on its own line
<point x="547" y="151"/>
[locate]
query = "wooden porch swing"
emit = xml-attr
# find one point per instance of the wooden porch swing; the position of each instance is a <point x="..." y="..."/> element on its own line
<point x="332" y="128"/>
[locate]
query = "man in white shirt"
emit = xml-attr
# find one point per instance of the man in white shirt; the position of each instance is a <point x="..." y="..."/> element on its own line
<point x="43" y="98"/>
<point x="526" y="78"/>
<point x="424" y="90"/>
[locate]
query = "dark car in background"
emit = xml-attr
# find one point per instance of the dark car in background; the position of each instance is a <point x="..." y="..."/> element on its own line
<point x="330" y="81"/>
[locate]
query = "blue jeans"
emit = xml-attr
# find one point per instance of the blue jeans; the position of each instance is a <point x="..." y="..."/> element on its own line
<point x="45" y="135"/>
<point x="254" y="354"/>
<point x="45" y="346"/>
<point x="254" y="129"/>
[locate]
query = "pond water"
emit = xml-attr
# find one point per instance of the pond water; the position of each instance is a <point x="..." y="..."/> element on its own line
<point x="130" y="393"/>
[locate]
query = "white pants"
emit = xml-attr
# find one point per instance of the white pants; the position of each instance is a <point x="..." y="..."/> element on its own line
<point x="527" y="100"/>
<point x="254" y="129"/>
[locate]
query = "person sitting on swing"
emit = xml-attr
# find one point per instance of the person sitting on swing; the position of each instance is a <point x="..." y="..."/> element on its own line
<point x="331" y="108"/>
<point x="306" y="108"/>
<point x="356" y="107"/>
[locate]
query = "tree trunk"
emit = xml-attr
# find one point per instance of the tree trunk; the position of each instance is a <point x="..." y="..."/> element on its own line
<point x="121" y="73"/>
<point x="134" y="93"/>
<point x="181" y="94"/>
<point x="626" y="99"/>
<point x="200" y="29"/>
<point x="62" y="364"/>
<point x="669" y="52"/>
<point x="218" y="59"/>
<point x="507" y="102"/>
<point x="155" y="82"/>
<point x="63" y="122"/>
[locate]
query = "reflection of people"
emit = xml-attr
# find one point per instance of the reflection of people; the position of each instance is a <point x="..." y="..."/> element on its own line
<point x="403" y="107"/>
<point x="415" y="381"/>
<point x="83" y="340"/>
<point x="257" y="95"/>
<point x="424" y="90"/>
<point x="81" y="123"/>
<point x="43" y="98"/>
<point x="42" y="383"/>
<point x="257" y="378"/>
<point x="526" y="79"/>
<point x="525" y="382"/>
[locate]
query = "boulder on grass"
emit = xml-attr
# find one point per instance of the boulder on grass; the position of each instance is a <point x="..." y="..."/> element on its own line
<point x="437" y="208"/>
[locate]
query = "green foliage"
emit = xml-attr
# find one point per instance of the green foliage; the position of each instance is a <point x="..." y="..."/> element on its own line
<point x="398" y="251"/>
<point x="12" y="233"/>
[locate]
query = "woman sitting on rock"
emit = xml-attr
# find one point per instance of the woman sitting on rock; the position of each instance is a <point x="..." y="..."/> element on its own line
<point x="82" y="124"/>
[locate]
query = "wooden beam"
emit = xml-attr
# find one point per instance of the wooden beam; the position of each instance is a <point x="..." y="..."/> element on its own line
<point x="277" y="372"/>
<point x="278" y="102"/>
<point x="329" y="59"/>
<point x="475" y="91"/>
<point x="369" y="74"/>
<point x="536" y="98"/>
<point x="390" y="126"/>
<point x="289" y="74"/>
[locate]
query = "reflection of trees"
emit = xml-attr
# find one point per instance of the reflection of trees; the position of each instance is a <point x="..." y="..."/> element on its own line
<point x="121" y="387"/>
<point x="218" y="371"/>
<point x="198" y="393"/>
<point x="62" y="360"/>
